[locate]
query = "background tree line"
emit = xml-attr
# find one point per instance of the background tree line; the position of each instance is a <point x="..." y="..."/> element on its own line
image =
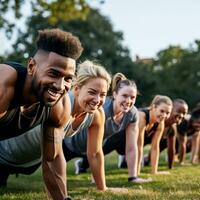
<point x="174" y="72"/>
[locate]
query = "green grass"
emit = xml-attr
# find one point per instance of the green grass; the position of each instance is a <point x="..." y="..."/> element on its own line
<point x="182" y="184"/>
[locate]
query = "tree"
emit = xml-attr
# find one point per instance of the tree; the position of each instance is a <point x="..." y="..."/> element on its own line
<point x="177" y="73"/>
<point x="100" y="42"/>
<point x="53" y="10"/>
<point x="188" y="76"/>
<point x="171" y="56"/>
<point x="164" y="69"/>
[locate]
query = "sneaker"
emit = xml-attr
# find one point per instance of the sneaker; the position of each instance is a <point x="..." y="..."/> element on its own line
<point x="146" y="161"/>
<point x="78" y="168"/>
<point x="122" y="161"/>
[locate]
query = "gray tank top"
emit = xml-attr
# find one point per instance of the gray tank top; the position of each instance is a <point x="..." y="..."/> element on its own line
<point x="111" y="127"/>
<point x="25" y="150"/>
<point x="85" y="123"/>
<point x="78" y="143"/>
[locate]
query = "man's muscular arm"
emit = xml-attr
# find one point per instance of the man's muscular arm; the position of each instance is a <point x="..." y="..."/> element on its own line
<point x="53" y="162"/>
<point x="171" y="142"/>
<point x="8" y="77"/>
<point x="53" y="128"/>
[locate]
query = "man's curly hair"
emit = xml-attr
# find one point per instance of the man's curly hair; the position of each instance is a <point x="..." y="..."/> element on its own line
<point x="60" y="42"/>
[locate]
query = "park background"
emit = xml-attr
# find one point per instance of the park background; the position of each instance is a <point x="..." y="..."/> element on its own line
<point x="172" y="26"/>
<point x="152" y="51"/>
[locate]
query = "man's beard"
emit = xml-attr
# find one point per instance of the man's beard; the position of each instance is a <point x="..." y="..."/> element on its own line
<point x="39" y="93"/>
<point x="36" y="90"/>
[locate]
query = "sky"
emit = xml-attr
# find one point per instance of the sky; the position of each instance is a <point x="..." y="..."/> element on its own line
<point x="149" y="26"/>
<point x="152" y="25"/>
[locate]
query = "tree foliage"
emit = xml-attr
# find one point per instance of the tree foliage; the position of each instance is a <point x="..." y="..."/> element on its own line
<point x="101" y="43"/>
<point x="175" y="71"/>
<point x="53" y="10"/>
<point x="178" y="73"/>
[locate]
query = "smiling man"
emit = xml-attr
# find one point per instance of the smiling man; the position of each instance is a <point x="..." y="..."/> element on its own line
<point x="35" y="94"/>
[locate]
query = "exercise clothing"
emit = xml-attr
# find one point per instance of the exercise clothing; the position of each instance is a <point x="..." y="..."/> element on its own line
<point x="78" y="143"/>
<point x="148" y="133"/>
<point x="22" y="151"/>
<point x="16" y="122"/>
<point x="25" y="150"/>
<point x="185" y="127"/>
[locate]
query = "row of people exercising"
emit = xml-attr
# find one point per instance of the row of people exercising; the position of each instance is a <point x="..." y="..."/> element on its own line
<point x="98" y="125"/>
<point x="181" y="135"/>
<point x="160" y="133"/>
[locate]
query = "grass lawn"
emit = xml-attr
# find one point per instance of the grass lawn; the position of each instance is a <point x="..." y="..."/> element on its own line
<point x="183" y="183"/>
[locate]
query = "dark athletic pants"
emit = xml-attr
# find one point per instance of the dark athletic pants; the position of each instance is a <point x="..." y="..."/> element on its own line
<point x="5" y="171"/>
<point x="115" y="142"/>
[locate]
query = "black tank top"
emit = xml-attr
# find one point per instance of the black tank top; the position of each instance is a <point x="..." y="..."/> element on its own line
<point x="15" y="122"/>
<point x="152" y="131"/>
<point x="185" y="128"/>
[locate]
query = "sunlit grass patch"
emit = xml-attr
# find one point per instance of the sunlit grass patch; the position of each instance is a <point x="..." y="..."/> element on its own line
<point x="183" y="183"/>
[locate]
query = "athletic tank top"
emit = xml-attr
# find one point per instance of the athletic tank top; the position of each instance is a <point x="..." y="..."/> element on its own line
<point x="151" y="132"/>
<point x="85" y="123"/>
<point x="169" y="131"/>
<point x="25" y="150"/>
<point x="110" y="126"/>
<point x="16" y="122"/>
<point x="78" y="143"/>
<point x="185" y="128"/>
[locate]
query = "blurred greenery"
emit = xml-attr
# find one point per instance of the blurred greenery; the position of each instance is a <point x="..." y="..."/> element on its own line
<point x="174" y="71"/>
<point x="53" y="10"/>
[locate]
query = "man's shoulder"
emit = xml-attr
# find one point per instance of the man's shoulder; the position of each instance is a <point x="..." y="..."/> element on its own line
<point x="10" y="65"/>
<point x="61" y="111"/>
<point x="8" y="78"/>
<point x="7" y="73"/>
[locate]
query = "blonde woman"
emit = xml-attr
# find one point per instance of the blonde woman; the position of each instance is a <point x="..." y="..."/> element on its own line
<point x="86" y="99"/>
<point x="151" y="127"/>
<point x="121" y="127"/>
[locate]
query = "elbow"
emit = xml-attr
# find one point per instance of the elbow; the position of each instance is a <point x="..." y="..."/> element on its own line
<point x="91" y="155"/>
<point x="183" y="145"/>
<point x="94" y="155"/>
<point x="155" y="146"/>
<point x="140" y="151"/>
<point x="49" y="155"/>
<point x="155" y="150"/>
<point x="132" y="150"/>
<point x="140" y="147"/>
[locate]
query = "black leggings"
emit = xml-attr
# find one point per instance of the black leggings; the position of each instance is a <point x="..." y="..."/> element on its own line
<point x="69" y="155"/>
<point x="5" y="171"/>
<point x="116" y="142"/>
